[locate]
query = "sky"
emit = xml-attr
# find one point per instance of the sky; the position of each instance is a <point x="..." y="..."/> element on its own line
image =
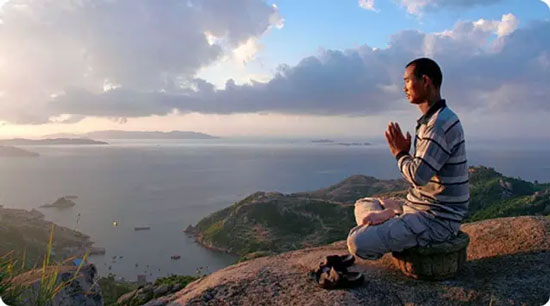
<point x="271" y="68"/>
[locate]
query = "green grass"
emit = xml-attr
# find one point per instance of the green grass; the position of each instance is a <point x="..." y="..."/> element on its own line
<point x="14" y="293"/>
<point x="10" y="291"/>
<point x="182" y="280"/>
<point x="112" y="289"/>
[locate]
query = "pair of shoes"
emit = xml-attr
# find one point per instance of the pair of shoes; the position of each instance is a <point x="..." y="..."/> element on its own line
<point x="333" y="279"/>
<point x="333" y="273"/>
<point x="339" y="262"/>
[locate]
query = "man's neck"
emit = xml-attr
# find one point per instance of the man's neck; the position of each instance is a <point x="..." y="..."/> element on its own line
<point x="425" y="106"/>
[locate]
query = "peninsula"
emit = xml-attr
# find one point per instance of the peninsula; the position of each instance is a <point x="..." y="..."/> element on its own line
<point x="24" y="231"/>
<point x="50" y="141"/>
<point x="270" y="223"/>
<point x="115" y="134"/>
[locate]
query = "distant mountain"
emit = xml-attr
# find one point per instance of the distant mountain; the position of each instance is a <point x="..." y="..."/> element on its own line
<point x="322" y="141"/>
<point x="53" y="141"/>
<point x="6" y="151"/>
<point x="355" y="187"/>
<point x="114" y="134"/>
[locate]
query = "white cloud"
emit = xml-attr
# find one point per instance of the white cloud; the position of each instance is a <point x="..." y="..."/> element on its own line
<point x="247" y="51"/>
<point x="417" y="7"/>
<point x="367" y="5"/>
<point x="46" y="46"/>
<point x="508" y="24"/>
<point x="365" y="81"/>
<point x="547" y="2"/>
<point x="354" y="82"/>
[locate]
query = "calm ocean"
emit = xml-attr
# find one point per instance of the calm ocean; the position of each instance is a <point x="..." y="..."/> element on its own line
<point x="168" y="185"/>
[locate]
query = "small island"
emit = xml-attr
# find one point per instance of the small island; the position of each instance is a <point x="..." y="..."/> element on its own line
<point x="348" y="144"/>
<point x="50" y="141"/>
<point x="322" y="141"/>
<point x="63" y="202"/>
<point x="116" y="134"/>
<point x="7" y="151"/>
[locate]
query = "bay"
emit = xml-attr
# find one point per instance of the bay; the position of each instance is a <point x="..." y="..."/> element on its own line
<point x="167" y="185"/>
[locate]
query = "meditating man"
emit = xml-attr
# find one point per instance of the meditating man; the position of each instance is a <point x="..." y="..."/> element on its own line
<point x="438" y="198"/>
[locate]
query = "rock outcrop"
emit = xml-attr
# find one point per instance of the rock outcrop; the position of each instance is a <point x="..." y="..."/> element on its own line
<point x="83" y="290"/>
<point x="508" y="264"/>
<point x="63" y="202"/>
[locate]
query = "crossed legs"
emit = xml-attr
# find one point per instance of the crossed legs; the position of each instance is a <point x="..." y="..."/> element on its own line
<point x="394" y="235"/>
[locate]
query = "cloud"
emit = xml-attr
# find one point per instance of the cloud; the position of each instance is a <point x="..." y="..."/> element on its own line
<point x="507" y="25"/>
<point x="483" y="72"/>
<point x="489" y="67"/>
<point x="367" y="5"/>
<point x="547" y="2"/>
<point x="418" y="6"/>
<point x="48" y="45"/>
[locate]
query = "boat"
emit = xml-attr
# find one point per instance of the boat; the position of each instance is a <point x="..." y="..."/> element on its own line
<point x="175" y="257"/>
<point x="142" y="228"/>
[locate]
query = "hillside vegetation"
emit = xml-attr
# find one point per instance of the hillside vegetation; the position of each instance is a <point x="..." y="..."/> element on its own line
<point x="267" y="223"/>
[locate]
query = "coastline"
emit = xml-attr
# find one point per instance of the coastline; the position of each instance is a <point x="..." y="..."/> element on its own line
<point x="28" y="231"/>
<point x="199" y="239"/>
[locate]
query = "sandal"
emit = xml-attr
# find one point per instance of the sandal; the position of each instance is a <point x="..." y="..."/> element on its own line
<point x="339" y="262"/>
<point x="333" y="279"/>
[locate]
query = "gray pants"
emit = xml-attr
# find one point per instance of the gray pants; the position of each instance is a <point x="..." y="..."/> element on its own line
<point x="410" y="229"/>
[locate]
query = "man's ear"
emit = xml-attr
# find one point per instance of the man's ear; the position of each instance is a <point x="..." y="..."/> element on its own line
<point x="427" y="80"/>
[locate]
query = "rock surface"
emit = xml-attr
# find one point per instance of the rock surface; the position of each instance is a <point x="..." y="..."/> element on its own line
<point x="82" y="291"/>
<point x="507" y="265"/>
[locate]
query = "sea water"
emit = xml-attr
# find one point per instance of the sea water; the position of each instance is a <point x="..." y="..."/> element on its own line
<point x="169" y="184"/>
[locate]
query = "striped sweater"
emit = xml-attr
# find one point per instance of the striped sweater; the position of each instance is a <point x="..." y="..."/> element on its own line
<point x="438" y="171"/>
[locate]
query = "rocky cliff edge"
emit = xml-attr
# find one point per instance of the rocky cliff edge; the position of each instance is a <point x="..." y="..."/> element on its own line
<point x="508" y="264"/>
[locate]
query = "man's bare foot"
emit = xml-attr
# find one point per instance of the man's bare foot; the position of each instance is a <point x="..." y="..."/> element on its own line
<point x="396" y="206"/>
<point x="378" y="217"/>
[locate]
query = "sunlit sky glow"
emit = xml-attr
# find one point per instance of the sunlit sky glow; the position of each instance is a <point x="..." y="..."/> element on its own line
<point x="277" y="68"/>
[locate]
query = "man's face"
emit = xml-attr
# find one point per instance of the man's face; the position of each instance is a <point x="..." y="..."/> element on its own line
<point x="415" y="89"/>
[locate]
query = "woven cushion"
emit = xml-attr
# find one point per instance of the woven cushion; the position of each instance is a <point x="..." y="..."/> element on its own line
<point x="436" y="262"/>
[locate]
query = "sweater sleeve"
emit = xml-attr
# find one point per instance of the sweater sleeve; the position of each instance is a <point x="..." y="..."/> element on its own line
<point x="432" y="152"/>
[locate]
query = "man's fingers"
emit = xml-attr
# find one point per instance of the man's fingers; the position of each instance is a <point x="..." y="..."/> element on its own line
<point x="398" y="129"/>
<point x="391" y="129"/>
